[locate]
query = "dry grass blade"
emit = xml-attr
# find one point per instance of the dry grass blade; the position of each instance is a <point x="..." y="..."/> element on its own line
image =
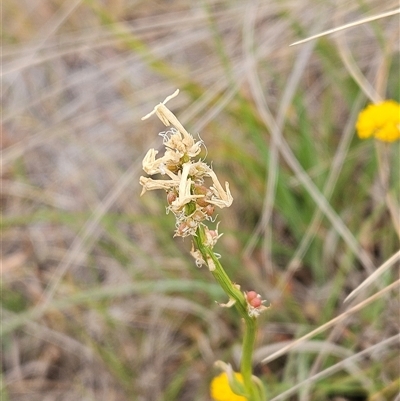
<point x="355" y="72"/>
<point x="379" y="271"/>
<point x="50" y="28"/>
<point x="347" y="26"/>
<point x="90" y="232"/>
<point x="332" y="322"/>
<point x="305" y="179"/>
<point x="275" y="127"/>
<point x="386" y="344"/>
<point x="338" y="161"/>
<point x="323" y="347"/>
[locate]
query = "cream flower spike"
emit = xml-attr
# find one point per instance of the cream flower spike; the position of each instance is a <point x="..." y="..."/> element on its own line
<point x="190" y="146"/>
<point x="166" y="116"/>
<point x="189" y="197"/>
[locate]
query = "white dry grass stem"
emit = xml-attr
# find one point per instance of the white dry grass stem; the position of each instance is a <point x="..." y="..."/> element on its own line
<point x="277" y="128"/>
<point x="341" y="155"/>
<point x="375" y="275"/>
<point x="84" y="241"/>
<point x="332" y="322"/>
<point x="303" y="177"/>
<point x="382" y="346"/>
<point x="347" y="26"/>
<point x="322" y="347"/>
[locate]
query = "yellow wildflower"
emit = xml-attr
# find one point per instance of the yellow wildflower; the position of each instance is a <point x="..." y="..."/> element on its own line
<point x="221" y="390"/>
<point x="381" y="120"/>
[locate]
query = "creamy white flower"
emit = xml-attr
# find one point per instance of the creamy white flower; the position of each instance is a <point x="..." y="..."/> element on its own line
<point x="197" y="256"/>
<point x="149" y="184"/>
<point x="191" y="147"/>
<point x="222" y="198"/>
<point x="256" y="312"/>
<point x="162" y="165"/>
<point x="173" y="139"/>
<point x="185" y="228"/>
<point x="150" y="164"/>
<point x="185" y="185"/>
<point x="212" y="237"/>
<point x="199" y="170"/>
<point x="229" y="304"/>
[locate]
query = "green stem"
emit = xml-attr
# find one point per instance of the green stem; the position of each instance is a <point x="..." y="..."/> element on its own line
<point x="246" y="366"/>
<point x="234" y="293"/>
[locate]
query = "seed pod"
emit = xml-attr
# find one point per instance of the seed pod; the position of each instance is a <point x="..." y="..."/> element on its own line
<point x="181" y="230"/>
<point x="198" y="215"/>
<point x="201" y="190"/>
<point x="209" y="209"/>
<point x="171" y="196"/>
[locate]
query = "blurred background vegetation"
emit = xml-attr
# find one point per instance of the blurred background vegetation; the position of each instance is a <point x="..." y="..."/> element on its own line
<point x="98" y="301"/>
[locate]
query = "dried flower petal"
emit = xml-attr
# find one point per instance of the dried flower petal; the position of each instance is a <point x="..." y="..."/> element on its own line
<point x="149" y="184"/>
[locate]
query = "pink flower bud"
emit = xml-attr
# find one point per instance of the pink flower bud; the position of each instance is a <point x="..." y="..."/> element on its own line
<point x="255" y="302"/>
<point x="251" y="295"/>
<point x="213" y="233"/>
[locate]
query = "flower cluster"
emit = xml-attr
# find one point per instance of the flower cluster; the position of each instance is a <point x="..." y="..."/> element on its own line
<point x="380" y="120"/>
<point x="188" y="197"/>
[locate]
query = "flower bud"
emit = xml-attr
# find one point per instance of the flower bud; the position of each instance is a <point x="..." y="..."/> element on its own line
<point x="209" y="209"/>
<point x="255" y="302"/>
<point x="171" y="196"/>
<point x="201" y="190"/>
<point x="213" y="234"/>
<point x="182" y="229"/>
<point x="250" y="295"/>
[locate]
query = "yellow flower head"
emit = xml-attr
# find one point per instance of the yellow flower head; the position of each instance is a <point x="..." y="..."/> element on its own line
<point x="221" y="390"/>
<point x="380" y="120"/>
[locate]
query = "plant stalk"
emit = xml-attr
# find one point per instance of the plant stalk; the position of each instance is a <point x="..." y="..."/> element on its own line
<point x="234" y="293"/>
<point x="246" y="365"/>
